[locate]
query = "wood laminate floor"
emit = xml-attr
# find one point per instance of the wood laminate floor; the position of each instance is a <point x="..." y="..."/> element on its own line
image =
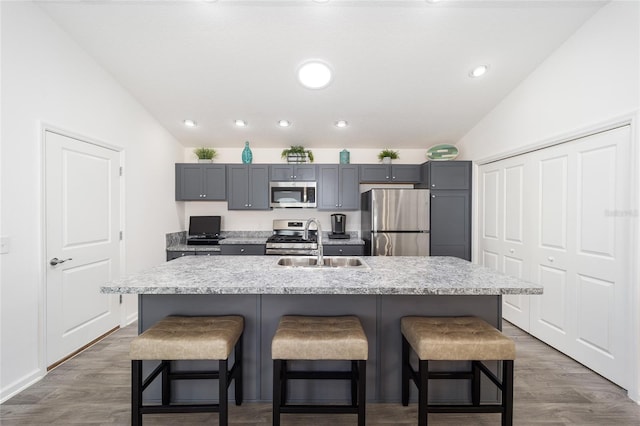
<point x="93" y="389"/>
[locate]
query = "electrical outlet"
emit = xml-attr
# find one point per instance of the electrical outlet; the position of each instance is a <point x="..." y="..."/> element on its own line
<point x="4" y="245"/>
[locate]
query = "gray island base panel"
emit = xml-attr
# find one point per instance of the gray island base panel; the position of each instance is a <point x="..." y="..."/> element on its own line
<point x="261" y="291"/>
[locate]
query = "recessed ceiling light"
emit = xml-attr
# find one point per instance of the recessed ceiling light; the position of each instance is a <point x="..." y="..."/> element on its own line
<point x="240" y="123"/>
<point x="314" y="75"/>
<point x="189" y="123"/>
<point x="341" y="123"/>
<point x="284" y="123"/>
<point x="479" y="71"/>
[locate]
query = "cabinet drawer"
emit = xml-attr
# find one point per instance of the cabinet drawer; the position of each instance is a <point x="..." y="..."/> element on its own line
<point x="336" y="250"/>
<point x="242" y="249"/>
<point x="176" y="254"/>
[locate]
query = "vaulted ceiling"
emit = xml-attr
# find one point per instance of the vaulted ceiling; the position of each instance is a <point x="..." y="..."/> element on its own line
<point x="400" y="67"/>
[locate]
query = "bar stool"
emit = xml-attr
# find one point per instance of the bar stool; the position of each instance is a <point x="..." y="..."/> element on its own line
<point x="319" y="338"/>
<point x="456" y="339"/>
<point x="187" y="338"/>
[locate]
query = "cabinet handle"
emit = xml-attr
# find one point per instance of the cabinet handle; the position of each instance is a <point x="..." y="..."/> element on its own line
<point x="249" y="205"/>
<point x="512" y="251"/>
<point x="386" y="177"/>
<point x="433" y="196"/>
<point x="393" y="177"/>
<point x="241" y="250"/>
<point x="204" y="195"/>
<point x="550" y="259"/>
<point x="295" y="177"/>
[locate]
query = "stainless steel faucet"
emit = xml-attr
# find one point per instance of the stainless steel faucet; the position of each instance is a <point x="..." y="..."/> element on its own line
<point x="305" y="235"/>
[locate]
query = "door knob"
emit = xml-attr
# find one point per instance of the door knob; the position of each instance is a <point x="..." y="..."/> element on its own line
<point x="550" y="259"/>
<point x="55" y="261"/>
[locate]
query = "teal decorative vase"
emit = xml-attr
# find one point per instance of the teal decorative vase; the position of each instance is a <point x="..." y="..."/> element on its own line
<point x="344" y="157"/>
<point x="247" y="155"/>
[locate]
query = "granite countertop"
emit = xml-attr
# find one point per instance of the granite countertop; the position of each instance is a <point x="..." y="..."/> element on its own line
<point x="386" y="275"/>
<point x="178" y="242"/>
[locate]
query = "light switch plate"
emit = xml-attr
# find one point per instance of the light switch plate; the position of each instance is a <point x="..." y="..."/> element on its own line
<point x="4" y="245"/>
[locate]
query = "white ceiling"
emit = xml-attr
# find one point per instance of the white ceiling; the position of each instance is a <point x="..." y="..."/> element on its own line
<point x="400" y="67"/>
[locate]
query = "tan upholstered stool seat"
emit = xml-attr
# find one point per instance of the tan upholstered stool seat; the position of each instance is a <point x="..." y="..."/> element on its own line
<point x="188" y="338"/>
<point x="456" y="338"/>
<point x="320" y="338"/>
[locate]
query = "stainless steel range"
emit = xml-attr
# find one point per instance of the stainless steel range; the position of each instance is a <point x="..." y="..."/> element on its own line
<point x="288" y="238"/>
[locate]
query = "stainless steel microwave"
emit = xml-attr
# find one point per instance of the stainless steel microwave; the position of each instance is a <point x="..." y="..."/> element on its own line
<point x="292" y="194"/>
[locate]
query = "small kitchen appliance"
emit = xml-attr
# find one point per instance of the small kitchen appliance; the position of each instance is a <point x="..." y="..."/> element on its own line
<point x="339" y="226"/>
<point x="292" y="194"/>
<point x="204" y="230"/>
<point x="288" y="238"/>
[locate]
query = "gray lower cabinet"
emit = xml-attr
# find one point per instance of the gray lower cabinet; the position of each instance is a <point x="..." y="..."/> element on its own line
<point x="338" y="187"/>
<point x="201" y="182"/>
<point x="176" y="254"/>
<point x="292" y="172"/>
<point x="242" y="249"/>
<point x="248" y="187"/>
<point x="343" y="250"/>
<point x="390" y="173"/>
<point x="451" y="223"/>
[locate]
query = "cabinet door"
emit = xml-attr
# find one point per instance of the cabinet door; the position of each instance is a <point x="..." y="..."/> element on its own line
<point x="281" y="172"/>
<point x="349" y="188"/>
<point x="258" y="187"/>
<point x="328" y="187"/>
<point x="304" y="172"/>
<point x="405" y="173"/>
<point x="375" y="173"/>
<point x="238" y="184"/>
<point x="215" y="182"/>
<point x="450" y="174"/>
<point x="451" y="224"/>
<point x="189" y="184"/>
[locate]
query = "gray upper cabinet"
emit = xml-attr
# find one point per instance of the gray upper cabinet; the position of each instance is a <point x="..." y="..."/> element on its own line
<point x="248" y="187"/>
<point x="291" y="172"/>
<point x="338" y="187"/>
<point x="390" y="173"/>
<point x="200" y="182"/>
<point x="449" y="174"/>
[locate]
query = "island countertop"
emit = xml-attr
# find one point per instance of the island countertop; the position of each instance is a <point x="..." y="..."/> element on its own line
<point x="386" y="275"/>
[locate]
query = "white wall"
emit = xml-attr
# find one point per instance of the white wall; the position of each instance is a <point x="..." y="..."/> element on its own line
<point x="591" y="80"/>
<point x="236" y="220"/>
<point x="47" y="79"/>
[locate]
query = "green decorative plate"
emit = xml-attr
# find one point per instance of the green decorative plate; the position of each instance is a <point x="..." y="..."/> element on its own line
<point x="442" y="152"/>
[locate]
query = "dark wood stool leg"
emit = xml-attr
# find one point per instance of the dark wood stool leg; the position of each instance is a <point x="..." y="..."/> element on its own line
<point x="362" y="391"/>
<point x="507" y="392"/>
<point x="475" y="383"/>
<point x="166" y="382"/>
<point x="354" y="383"/>
<point x="405" y="371"/>
<point x="423" y="392"/>
<point x="277" y="390"/>
<point x="136" y="392"/>
<point x="223" y="384"/>
<point x="238" y="377"/>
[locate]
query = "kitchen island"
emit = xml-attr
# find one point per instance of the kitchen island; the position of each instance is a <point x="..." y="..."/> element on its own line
<point x="380" y="293"/>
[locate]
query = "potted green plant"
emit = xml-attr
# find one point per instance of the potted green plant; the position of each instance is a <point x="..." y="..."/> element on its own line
<point x="297" y="154"/>
<point x="205" y="155"/>
<point x="386" y="155"/>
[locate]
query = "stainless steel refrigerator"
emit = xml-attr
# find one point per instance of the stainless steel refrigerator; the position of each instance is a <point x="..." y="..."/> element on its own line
<point x="395" y="222"/>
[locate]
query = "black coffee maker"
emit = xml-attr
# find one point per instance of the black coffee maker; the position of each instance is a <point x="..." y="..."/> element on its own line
<point x="338" y="226"/>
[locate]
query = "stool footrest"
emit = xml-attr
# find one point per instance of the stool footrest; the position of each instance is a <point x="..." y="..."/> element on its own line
<point x="462" y="408"/>
<point x="180" y="408"/>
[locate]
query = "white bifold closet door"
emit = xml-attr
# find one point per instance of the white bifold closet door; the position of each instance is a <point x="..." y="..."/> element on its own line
<point x="560" y="217"/>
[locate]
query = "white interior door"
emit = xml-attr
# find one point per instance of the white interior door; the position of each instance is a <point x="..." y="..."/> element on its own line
<point x="82" y="242"/>
<point x="556" y="217"/>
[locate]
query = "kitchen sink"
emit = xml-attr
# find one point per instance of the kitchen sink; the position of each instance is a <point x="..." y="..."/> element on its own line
<point x="328" y="262"/>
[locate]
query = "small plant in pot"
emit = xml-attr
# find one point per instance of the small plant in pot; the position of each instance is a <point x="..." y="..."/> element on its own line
<point x="297" y="154"/>
<point x="386" y="155"/>
<point x="205" y="155"/>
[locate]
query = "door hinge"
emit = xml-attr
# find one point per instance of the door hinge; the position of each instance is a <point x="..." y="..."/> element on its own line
<point x="120" y="235"/>
<point x="121" y="170"/>
<point x="121" y="299"/>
